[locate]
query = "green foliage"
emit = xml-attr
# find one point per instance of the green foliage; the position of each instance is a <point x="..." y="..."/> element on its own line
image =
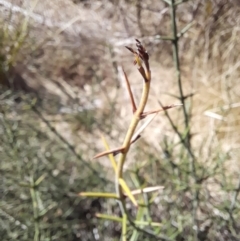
<point x="40" y="179"/>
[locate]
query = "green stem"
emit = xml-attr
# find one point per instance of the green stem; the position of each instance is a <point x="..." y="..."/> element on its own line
<point x="186" y="115"/>
<point x="98" y="194"/>
<point x="35" y="210"/>
<point x="176" y="60"/>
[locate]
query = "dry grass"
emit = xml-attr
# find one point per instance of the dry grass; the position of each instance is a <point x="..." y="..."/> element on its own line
<point x="73" y="53"/>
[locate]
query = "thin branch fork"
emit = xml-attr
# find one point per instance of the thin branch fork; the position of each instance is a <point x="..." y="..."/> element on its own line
<point x="136" y="136"/>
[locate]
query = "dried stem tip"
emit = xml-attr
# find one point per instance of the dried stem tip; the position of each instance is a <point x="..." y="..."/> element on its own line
<point x="141" y="55"/>
<point x="141" y="51"/>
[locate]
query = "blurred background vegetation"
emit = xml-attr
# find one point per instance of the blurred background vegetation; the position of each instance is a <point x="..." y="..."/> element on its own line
<point x="60" y="87"/>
